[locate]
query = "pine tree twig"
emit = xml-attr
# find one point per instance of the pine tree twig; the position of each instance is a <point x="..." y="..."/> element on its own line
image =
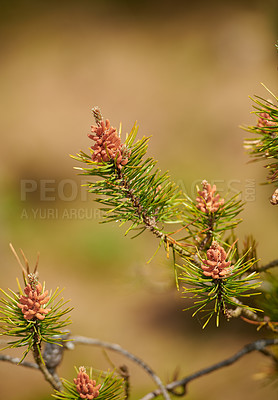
<point x="266" y="322"/>
<point x="53" y="352"/>
<point x="170" y="242"/>
<point x="54" y="380"/>
<point x="50" y="375"/>
<point x="268" y="353"/>
<point x="258" y="345"/>
<point x="237" y="312"/>
<point x="124" y="372"/>
<point x="121" y="370"/>
<point x="209" y="233"/>
<point x="119" y="349"/>
<point x="16" y="361"/>
<point x="263" y="268"/>
<point x="251" y="317"/>
<point x="28" y="364"/>
<point x="150" y="222"/>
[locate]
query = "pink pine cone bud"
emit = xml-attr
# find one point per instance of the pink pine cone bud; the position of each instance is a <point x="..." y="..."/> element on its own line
<point x="207" y="201"/>
<point x="216" y="265"/>
<point x="108" y="145"/>
<point x="32" y="305"/>
<point x="86" y="387"/>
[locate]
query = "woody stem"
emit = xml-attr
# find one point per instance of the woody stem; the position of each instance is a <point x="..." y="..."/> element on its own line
<point x="209" y="233"/>
<point x="149" y="221"/>
<point x="54" y="381"/>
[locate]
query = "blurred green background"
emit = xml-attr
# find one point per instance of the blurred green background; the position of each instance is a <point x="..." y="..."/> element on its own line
<point x="184" y="71"/>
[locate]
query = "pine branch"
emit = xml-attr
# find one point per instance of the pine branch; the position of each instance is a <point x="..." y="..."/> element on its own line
<point x="52" y="379"/>
<point x="240" y="310"/>
<point x="218" y="282"/>
<point x="177" y="387"/>
<point x="136" y="192"/>
<point x="265" y="146"/>
<point x="17" y="361"/>
<point x="258" y="345"/>
<point x="133" y="190"/>
<point x="266" y="267"/>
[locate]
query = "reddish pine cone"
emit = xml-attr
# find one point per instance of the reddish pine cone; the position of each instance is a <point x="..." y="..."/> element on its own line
<point x="86" y="387"/>
<point x="207" y="201"/>
<point x="215" y="265"/>
<point x="32" y="304"/>
<point x="108" y="145"/>
<point x="265" y="120"/>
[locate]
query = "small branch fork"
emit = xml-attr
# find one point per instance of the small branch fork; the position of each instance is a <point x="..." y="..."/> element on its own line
<point x="177" y="387"/>
<point x="51" y="378"/>
<point x="119" y="349"/>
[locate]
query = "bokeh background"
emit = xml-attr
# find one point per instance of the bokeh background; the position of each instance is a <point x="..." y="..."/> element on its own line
<point x="184" y="71"/>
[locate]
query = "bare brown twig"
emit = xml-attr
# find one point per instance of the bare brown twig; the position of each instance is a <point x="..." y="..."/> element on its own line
<point x="237" y="312"/>
<point x="16" y="361"/>
<point x="53" y="379"/>
<point x="29" y="364"/>
<point x="177" y="387"/>
<point x="265" y="267"/>
<point x="258" y="345"/>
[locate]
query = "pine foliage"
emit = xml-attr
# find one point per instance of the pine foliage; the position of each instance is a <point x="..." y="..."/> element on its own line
<point x="213" y="296"/>
<point x="265" y="145"/>
<point x="204" y="227"/>
<point x="137" y="192"/>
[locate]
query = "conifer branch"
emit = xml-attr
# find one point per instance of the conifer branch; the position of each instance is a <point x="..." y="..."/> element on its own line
<point x="177" y="387"/>
<point x="239" y="311"/>
<point x="16" y="361"/>
<point x="213" y="285"/>
<point x="265" y="267"/>
<point x="50" y="378"/>
<point x="181" y="384"/>
<point x="265" y="146"/>
<point x="215" y="273"/>
<point x="134" y="192"/>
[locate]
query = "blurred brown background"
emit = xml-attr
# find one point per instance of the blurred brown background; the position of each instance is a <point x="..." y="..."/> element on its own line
<point x="184" y="72"/>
